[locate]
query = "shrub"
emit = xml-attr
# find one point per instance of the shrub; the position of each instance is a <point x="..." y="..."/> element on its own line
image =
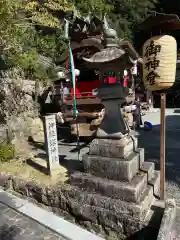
<point x="7" y="151"/>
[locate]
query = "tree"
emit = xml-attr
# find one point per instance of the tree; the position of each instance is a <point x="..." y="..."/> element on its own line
<point x="13" y="33"/>
<point x="126" y="15"/>
<point x="95" y="7"/>
<point x="19" y="40"/>
<point x="166" y="6"/>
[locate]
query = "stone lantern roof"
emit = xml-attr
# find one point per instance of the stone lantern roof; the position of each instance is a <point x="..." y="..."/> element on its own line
<point x="106" y="55"/>
<point x="113" y="52"/>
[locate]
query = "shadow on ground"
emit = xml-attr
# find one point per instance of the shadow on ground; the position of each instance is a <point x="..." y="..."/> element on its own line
<point x="150" y="141"/>
<point x="9" y="233"/>
<point x="176" y="111"/>
<point x="38" y="166"/>
<point x="150" y="232"/>
<point x="71" y="165"/>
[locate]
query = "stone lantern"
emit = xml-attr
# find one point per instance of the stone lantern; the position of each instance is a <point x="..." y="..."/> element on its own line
<point x="112" y="59"/>
<point x="118" y="187"/>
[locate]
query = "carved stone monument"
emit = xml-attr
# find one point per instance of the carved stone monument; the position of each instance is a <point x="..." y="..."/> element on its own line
<point x="51" y="143"/>
<point x="124" y="186"/>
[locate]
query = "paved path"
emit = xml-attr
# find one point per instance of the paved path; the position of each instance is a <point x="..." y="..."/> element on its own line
<point x="22" y="220"/>
<point x="16" y="226"/>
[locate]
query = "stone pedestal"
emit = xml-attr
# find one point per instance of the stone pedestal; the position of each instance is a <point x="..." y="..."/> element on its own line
<point x="123" y="186"/>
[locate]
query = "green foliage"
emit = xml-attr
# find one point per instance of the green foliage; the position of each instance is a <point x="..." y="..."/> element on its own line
<point x="15" y="32"/>
<point x="7" y="152"/>
<point x="51" y="45"/>
<point x="11" y="34"/>
<point x="42" y="12"/>
<point x="27" y="60"/>
<point x="128" y="14"/>
<point x="95" y="7"/>
<point x="21" y="43"/>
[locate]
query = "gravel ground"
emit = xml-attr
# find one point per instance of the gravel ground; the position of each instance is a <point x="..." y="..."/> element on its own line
<point x="151" y="142"/>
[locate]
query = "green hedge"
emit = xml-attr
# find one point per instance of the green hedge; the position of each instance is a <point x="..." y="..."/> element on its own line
<point x="7" y="151"/>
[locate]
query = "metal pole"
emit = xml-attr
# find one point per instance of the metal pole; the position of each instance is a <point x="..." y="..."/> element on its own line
<point x="162" y="146"/>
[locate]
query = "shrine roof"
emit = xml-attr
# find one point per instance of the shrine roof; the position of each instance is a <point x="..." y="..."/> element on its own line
<point x="160" y="22"/>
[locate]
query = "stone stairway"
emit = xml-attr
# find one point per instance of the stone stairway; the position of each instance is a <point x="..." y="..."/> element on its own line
<point x="117" y="188"/>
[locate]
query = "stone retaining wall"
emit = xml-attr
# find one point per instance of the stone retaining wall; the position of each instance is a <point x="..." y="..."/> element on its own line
<point x="88" y="211"/>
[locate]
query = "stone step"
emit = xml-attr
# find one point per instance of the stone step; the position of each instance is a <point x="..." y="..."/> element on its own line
<point x="93" y="199"/>
<point x="148" y="167"/>
<point x="155" y="183"/>
<point x="119" y="222"/>
<point x="125" y="191"/>
<point x="141" y="155"/>
<point x="118" y="169"/>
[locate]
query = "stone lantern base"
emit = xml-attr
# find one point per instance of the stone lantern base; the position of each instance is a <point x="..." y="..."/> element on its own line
<point x="123" y="186"/>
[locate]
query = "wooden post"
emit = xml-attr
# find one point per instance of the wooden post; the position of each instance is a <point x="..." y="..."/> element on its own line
<point x="163" y="146"/>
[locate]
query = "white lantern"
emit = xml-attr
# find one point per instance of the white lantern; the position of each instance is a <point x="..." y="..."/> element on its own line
<point x="134" y="68"/>
<point x="77" y="72"/>
<point x="159" y="62"/>
<point x="125" y="73"/>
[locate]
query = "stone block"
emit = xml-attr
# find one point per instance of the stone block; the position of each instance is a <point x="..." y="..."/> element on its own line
<point x="119" y="222"/>
<point x="168" y="220"/>
<point x="155" y="182"/>
<point x="125" y="191"/>
<point x="117" y="206"/>
<point x="113" y="148"/>
<point x="112" y="168"/>
<point x="140" y="151"/>
<point x="148" y="167"/>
